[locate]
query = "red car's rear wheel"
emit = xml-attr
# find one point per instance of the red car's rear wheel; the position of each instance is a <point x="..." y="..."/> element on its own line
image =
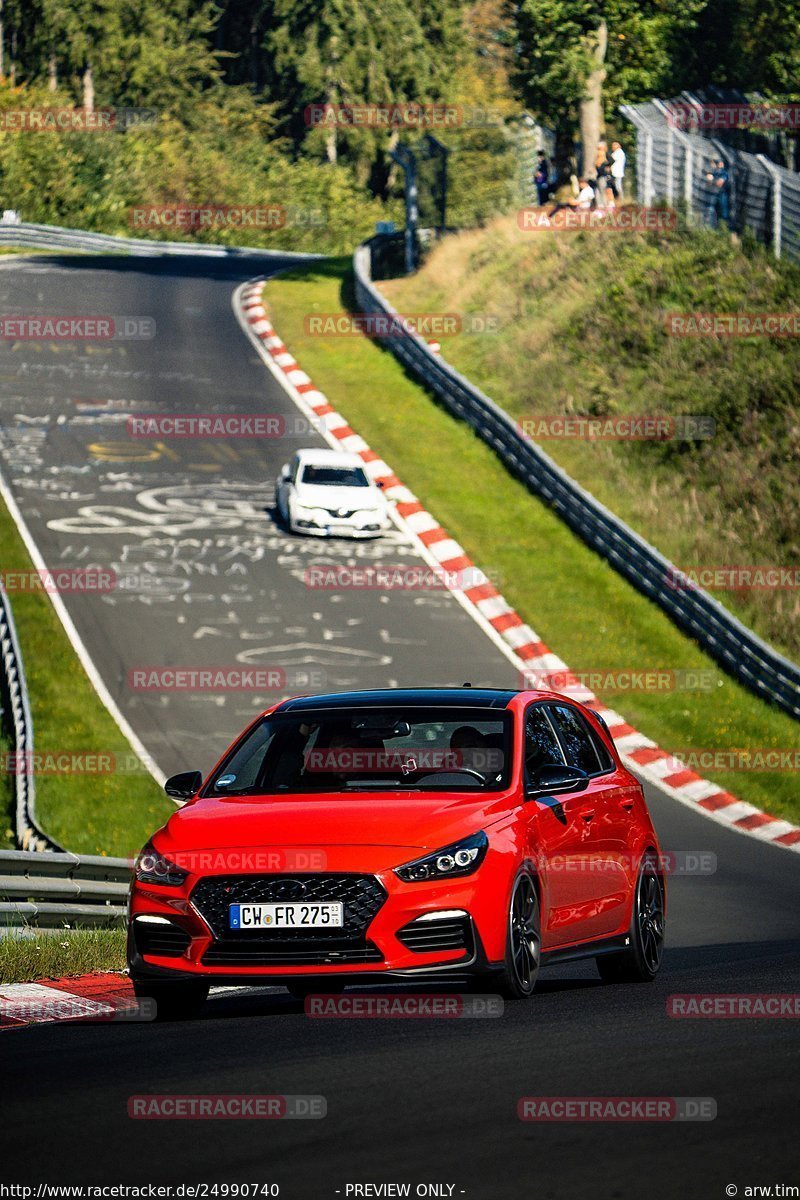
<point x="640" y="963"/>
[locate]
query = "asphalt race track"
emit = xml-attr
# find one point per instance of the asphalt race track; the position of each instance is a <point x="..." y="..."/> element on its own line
<point x="408" y="1101"/>
<point x="186" y="526"/>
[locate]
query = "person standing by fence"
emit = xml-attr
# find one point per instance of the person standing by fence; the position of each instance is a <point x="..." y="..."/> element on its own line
<point x="541" y="178"/>
<point x="719" y="208"/>
<point x="618" y="160"/>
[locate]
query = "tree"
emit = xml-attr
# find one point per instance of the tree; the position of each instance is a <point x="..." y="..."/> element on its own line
<point x="150" y="53"/>
<point x="577" y="57"/>
<point x="332" y="52"/>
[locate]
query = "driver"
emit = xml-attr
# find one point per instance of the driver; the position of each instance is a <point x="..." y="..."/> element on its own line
<point x="469" y="745"/>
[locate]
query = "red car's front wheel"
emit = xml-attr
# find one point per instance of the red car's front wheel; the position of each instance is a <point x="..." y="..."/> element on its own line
<point x="523" y="941"/>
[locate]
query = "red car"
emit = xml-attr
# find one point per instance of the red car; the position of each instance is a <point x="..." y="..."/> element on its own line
<point x="400" y="835"/>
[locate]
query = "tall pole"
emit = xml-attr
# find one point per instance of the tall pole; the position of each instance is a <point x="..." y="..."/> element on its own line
<point x="434" y="146"/>
<point x="406" y="159"/>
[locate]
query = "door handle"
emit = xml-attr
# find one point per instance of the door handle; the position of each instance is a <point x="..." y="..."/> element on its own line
<point x="587" y="815"/>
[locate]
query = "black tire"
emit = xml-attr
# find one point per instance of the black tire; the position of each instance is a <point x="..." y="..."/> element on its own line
<point x="176" y="1001"/>
<point x="520" y="970"/>
<point x="640" y="963"/>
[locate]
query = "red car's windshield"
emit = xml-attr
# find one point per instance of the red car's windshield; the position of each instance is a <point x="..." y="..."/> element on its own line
<point x="331" y="750"/>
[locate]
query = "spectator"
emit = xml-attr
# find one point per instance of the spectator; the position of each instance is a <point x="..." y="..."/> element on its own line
<point x="604" y="184"/>
<point x="719" y="208"/>
<point x="542" y="177"/>
<point x="618" y="161"/>
<point x="582" y="203"/>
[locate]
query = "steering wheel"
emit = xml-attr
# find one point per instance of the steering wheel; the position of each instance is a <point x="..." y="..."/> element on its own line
<point x="453" y="771"/>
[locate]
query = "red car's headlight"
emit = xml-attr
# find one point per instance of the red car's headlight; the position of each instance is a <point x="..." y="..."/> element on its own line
<point x="460" y="858"/>
<point x="152" y="867"/>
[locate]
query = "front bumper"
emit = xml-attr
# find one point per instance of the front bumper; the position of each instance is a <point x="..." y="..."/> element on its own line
<point x="407" y="931"/>
<point x="339" y="527"/>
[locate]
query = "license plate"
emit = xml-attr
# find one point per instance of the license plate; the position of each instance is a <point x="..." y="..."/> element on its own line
<point x="286" y="916"/>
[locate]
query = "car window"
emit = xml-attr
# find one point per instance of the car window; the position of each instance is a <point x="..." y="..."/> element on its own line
<point x="375" y="749"/>
<point x="605" y="759"/>
<point x="576" y="738"/>
<point x="541" y="745"/>
<point x="335" y="476"/>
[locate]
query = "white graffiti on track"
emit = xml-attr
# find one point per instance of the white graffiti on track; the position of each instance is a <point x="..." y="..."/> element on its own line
<point x="172" y="510"/>
<point x="297" y="654"/>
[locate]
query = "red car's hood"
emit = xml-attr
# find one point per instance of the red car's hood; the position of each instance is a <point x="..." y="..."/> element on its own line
<point x="424" y="820"/>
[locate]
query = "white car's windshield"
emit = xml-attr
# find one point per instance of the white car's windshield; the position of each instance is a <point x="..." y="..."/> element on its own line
<point x="334" y="476"/>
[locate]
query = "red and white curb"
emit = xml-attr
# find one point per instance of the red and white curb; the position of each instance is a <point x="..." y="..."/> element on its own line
<point x="97" y="997"/>
<point x="517" y="640"/>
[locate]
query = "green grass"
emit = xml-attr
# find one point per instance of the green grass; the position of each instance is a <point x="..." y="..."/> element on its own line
<point x="584" y="611"/>
<point x="51" y="955"/>
<point x="582" y="331"/>
<point x="88" y="813"/>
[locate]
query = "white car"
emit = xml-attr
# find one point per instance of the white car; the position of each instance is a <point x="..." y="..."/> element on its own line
<point x="328" y="493"/>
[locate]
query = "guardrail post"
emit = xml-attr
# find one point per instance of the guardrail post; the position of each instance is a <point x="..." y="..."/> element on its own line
<point x="688" y="178"/>
<point x="777" y="203"/>
<point x="648" y="169"/>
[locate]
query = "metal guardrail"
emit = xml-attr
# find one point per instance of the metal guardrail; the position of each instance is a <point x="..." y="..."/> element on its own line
<point x="55" y="237"/>
<point x="743" y="654"/>
<point x="59" y="889"/>
<point x="672" y="164"/>
<point x="16" y="711"/>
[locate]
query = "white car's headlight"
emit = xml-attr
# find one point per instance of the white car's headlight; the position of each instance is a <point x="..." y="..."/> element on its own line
<point x="317" y="515"/>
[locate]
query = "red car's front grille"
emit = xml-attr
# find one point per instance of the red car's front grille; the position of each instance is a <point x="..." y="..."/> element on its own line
<point x="361" y="895"/>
